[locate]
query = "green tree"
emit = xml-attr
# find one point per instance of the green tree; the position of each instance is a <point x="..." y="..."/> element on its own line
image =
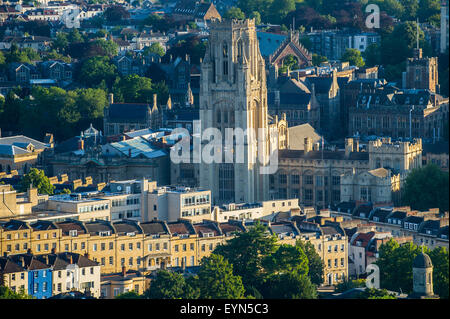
<point x="373" y="293"/>
<point x="286" y="259"/>
<point x="166" y="285"/>
<point x="129" y="295"/>
<point x="257" y="16"/>
<point x="347" y="284"/>
<point x="38" y="179"/>
<point x="109" y="48"/>
<point x="395" y="263"/>
<point x="7" y="293"/>
<point x="391" y="7"/>
<point x="91" y="103"/>
<point x="353" y="56"/>
<point x="66" y="191"/>
<point x="289" y="286"/>
<point x="428" y="9"/>
<point x="61" y="42"/>
<point x="155" y="48"/>
<point x="317" y="59"/>
<point x="426" y="187"/>
<point x="216" y="279"/>
<point x="234" y="13"/>
<point x="2" y="58"/>
<point x="133" y="88"/>
<point x="315" y="263"/>
<point x="411" y="8"/>
<point x="372" y="55"/>
<point x="440" y="260"/>
<point x="280" y="9"/>
<point x="116" y="14"/>
<point x="74" y="36"/>
<point x="246" y="252"/>
<point x="290" y="62"/>
<point x="96" y="69"/>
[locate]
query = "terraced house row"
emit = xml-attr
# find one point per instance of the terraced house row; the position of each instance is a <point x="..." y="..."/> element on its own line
<point x="148" y="246"/>
<point x="142" y="246"/>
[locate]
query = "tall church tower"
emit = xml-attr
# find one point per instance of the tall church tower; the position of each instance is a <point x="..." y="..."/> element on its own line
<point x="233" y="94"/>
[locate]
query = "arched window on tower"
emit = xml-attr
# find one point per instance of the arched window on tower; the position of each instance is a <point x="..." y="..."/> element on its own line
<point x="225" y="58"/>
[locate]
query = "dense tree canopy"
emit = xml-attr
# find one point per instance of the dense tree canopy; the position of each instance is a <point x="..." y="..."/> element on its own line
<point x="96" y="69"/>
<point x="234" y="13"/>
<point x="395" y="263"/>
<point x="7" y="293"/>
<point x="217" y="281"/>
<point x="426" y="188"/>
<point x="166" y="285"/>
<point x="315" y="263"/>
<point x="246" y="253"/>
<point x="38" y="179"/>
<point x="353" y="56"/>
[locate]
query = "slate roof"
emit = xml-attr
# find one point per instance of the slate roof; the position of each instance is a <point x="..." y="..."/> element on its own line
<point x="328" y="230"/>
<point x="122" y="227"/>
<point x="179" y="228"/>
<point x="345" y="207"/>
<point x="138" y="146"/>
<point x="269" y="42"/>
<point x="298" y="133"/>
<point x="283" y="228"/>
<point x="43" y="225"/>
<point x="154" y="228"/>
<point x="67" y="226"/>
<point x="16" y="145"/>
<point x="96" y="227"/>
<point x="229" y="228"/>
<point x="322" y="85"/>
<point x="422" y="261"/>
<point x="381" y="213"/>
<point x="204" y="228"/>
<point x="54" y="261"/>
<point x="398" y="215"/>
<point x="413" y="219"/>
<point x="14" y="225"/>
<point x="7" y="266"/>
<point x="129" y="111"/>
<point x="30" y="261"/>
<point x="440" y="147"/>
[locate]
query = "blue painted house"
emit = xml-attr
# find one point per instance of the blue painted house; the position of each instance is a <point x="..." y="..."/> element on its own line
<point x="39" y="275"/>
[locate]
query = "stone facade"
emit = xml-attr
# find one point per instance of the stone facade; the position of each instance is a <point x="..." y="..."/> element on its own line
<point x="233" y="94"/>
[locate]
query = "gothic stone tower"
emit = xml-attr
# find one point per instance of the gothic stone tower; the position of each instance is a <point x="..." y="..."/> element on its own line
<point x="233" y="94"/>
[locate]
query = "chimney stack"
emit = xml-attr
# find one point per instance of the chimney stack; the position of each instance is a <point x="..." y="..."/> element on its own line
<point x="111" y="98"/>
<point x="124" y="271"/>
<point x="307" y="145"/>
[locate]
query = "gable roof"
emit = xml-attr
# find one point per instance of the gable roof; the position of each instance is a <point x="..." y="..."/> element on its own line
<point x="129" y="111"/>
